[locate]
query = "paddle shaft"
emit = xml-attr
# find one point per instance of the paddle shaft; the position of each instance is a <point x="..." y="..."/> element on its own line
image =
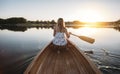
<point x="87" y="39"/>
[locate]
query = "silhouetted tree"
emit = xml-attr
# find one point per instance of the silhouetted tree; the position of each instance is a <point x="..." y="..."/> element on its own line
<point x="52" y="22"/>
<point x="15" y="20"/>
<point x="76" y="22"/>
<point x="2" y="21"/>
<point x="37" y="22"/>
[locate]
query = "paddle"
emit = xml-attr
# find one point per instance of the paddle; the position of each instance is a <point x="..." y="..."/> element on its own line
<point x="87" y="39"/>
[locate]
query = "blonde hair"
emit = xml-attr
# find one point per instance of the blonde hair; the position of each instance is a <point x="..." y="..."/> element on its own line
<point x="60" y="24"/>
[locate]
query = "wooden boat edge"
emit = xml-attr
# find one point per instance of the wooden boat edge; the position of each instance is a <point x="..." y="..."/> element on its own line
<point x="35" y="58"/>
<point x="88" y="59"/>
<point x="78" y="49"/>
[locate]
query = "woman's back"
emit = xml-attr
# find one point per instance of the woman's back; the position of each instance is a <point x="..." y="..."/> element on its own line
<point x="60" y="33"/>
<point x="60" y="38"/>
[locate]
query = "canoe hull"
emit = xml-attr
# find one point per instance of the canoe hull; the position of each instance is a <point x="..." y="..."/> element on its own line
<point x="65" y="60"/>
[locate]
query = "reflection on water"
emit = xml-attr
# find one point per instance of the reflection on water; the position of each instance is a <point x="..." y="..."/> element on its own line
<point x="14" y="28"/>
<point x="117" y="28"/>
<point x="19" y="46"/>
<point x="22" y="28"/>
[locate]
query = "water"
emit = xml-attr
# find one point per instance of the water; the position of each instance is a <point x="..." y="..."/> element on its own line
<point x="18" y="47"/>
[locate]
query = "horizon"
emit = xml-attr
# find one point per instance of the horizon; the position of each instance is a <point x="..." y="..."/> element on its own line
<point x="69" y="10"/>
<point x="56" y="20"/>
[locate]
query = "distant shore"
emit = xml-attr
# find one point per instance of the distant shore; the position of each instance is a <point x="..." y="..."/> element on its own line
<point x="22" y="22"/>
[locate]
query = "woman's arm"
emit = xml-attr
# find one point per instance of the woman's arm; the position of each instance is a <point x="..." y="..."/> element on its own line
<point x="54" y="31"/>
<point x="67" y="33"/>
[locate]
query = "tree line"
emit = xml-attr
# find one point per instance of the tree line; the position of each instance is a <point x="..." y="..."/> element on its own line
<point x="21" y="20"/>
<point x="13" y="20"/>
<point x="117" y="22"/>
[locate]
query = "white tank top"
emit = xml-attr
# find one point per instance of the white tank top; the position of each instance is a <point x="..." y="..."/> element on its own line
<point x="60" y="39"/>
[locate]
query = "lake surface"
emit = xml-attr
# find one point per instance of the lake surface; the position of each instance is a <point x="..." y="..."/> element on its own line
<point x="18" y="48"/>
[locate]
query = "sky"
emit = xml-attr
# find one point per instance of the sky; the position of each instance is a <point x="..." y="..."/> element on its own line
<point x="69" y="10"/>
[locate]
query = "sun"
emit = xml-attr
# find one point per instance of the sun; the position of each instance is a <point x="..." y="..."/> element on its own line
<point x="90" y="16"/>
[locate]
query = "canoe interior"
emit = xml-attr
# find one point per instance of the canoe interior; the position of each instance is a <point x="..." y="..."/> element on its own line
<point x="57" y="60"/>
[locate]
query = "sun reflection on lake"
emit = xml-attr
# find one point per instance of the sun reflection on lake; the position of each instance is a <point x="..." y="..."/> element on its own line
<point x="86" y="31"/>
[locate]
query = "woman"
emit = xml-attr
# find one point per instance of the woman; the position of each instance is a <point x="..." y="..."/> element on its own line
<point x="60" y="34"/>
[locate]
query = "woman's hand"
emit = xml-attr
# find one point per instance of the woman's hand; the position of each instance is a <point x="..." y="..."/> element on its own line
<point x="70" y="33"/>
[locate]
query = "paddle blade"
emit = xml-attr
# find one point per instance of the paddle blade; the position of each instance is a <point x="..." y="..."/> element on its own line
<point x="87" y="39"/>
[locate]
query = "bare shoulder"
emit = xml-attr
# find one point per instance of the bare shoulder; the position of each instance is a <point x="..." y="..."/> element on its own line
<point x="65" y="29"/>
<point x="54" y="27"/>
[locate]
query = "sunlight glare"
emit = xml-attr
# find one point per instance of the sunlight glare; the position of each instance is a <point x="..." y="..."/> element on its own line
<point x="86" y="31"/>
<point x="90" y="16"/>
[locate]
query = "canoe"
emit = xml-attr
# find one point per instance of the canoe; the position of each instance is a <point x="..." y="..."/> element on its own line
<point x="61" y="60"/>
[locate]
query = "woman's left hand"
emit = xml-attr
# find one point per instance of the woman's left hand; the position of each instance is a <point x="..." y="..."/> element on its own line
<point x="70" y="33"/>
